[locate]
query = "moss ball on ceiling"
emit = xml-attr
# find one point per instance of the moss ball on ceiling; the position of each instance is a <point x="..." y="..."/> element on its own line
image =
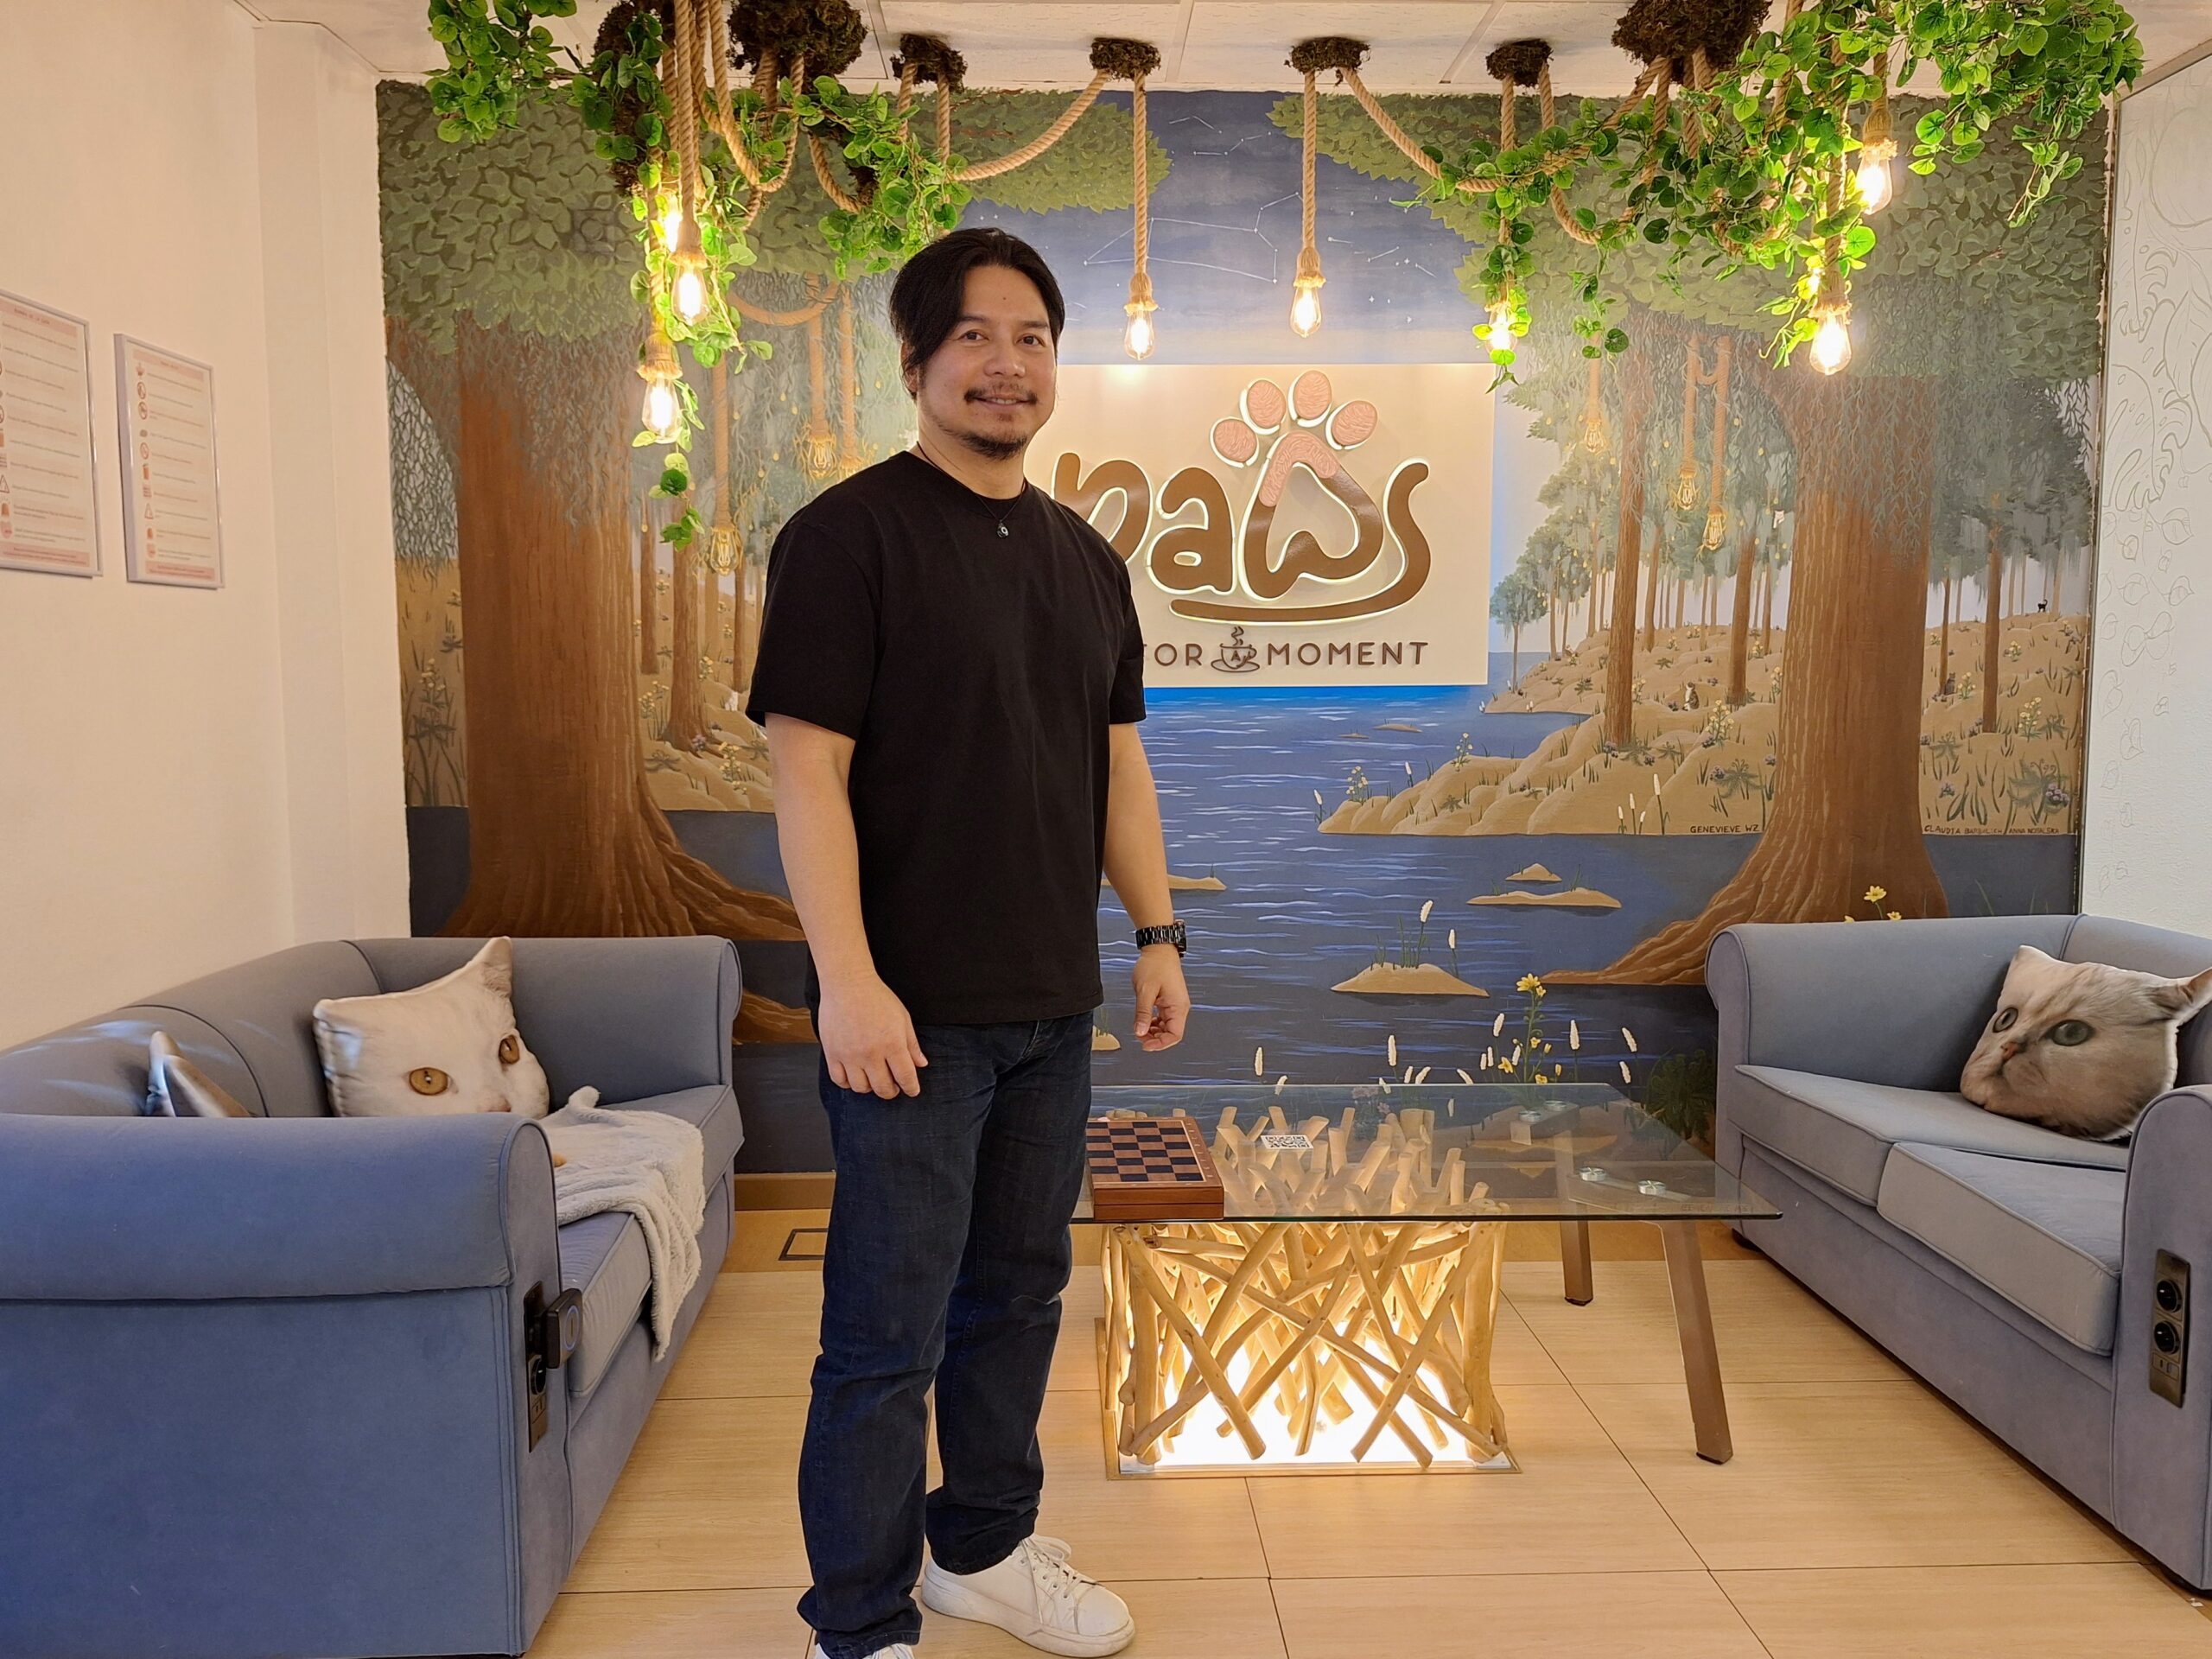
<point x="1519" y="61"/>
<point x="828" y="33"/>
<point x="1327" y="51"/>
<point x="932" y="60"/>
<point x="1673" y="30"/>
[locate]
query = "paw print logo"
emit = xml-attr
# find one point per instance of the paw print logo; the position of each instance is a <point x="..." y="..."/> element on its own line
<point x="1273" y="434"/>
<point x="1304" y="430"/>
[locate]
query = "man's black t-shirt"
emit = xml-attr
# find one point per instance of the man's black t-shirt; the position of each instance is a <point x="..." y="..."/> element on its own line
<point x="976" y="672"/>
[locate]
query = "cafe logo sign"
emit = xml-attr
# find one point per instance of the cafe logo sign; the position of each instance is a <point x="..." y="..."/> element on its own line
<point x="1322" y="527"/>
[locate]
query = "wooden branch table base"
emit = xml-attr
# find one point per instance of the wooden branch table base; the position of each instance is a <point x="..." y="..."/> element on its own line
<point x="1340" y="1313"/>
<point x="1257" y="1348"/>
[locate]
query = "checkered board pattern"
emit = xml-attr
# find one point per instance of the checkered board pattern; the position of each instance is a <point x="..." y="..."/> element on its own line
<point x="1151" y="1169"/>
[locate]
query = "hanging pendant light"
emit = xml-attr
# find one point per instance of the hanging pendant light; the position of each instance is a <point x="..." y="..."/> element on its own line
<point x="1877" y="148"/>
<point x="664" y="410"/>
<point x="1137" y="338"/>
<point x="1593" y="414"/>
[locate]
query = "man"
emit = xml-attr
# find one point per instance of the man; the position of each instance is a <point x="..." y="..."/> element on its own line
<point x="951" y="674"/>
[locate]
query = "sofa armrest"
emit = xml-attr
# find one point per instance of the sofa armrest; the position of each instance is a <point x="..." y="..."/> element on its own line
<point x="2162" y="1453"/>
<point x="267" y="1389"/>
<point x="1891" y="1002"/>
<point x="133" y="1208"/>
<point x="628" y="1017"/>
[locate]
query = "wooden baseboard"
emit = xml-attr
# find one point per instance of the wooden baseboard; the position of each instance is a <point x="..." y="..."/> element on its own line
<point x="805" y="1190"/>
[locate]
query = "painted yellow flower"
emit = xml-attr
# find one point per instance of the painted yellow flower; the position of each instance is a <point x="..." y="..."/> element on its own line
<point x="1530" y="983"/>
<point x="1875" y="896"/>
<point x="1505" y="1065"/>
<point x="1897" y="916"/>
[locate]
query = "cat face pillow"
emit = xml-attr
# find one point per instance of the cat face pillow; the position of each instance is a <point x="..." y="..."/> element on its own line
<point x="448" y="1046"/>
<point x="2079" y="1046"/>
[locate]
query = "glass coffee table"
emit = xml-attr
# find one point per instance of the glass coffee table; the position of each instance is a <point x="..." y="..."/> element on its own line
<point x="1340" y="1313"/>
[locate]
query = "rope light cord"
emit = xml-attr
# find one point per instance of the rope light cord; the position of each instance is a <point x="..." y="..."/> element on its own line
<point x="1137" y="340"/>
<point x="1311" y="136"/>
<point x="1044" y="141"/>
<point x="1141" y="169"/>
<point x="686" y="101"/>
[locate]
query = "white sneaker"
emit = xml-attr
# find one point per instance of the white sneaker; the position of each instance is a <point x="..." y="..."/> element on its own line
<point x="896" y="1650"/>
<point x="1037" y="1597"/>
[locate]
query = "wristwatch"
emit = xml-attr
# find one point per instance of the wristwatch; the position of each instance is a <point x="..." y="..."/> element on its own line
<point x="1173" y="934"/>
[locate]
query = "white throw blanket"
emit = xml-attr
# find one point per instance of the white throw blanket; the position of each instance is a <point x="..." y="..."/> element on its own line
<point x="650" y="1164"/>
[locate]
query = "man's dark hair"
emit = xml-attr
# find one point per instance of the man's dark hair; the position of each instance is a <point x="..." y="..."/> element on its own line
<point x="925" y="300"/>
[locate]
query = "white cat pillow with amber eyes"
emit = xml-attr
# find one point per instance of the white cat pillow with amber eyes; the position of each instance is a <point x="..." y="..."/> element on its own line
<point x="2078" y="1046"/>
<point x="446" y="1047"/>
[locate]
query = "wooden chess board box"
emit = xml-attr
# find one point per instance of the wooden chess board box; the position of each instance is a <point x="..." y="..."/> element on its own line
<point x="1151" y="1169"/>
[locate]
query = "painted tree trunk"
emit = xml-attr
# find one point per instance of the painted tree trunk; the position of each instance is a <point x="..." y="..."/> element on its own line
<point x="687" y="720"/>
<point x="1993" y="626"/>
<point x="648" y="594"/>
<point x="1739" y="622"/>
<point x="710" y="617"/>
<point x="1766" y="609"/>
<point x="1620" y="647"/>
<point x="565" y="839"/>
<point x="1590" y="613"/>
<point x="1846" y="802"/>
<point x="1944" y="638"/>
<point x="1651" y="590"/>
<point x="1516" y="655"/>
<point x="1551" y="618"/>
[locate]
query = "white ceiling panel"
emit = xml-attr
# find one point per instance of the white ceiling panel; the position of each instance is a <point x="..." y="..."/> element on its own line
<point x="1032" y="42"/>
<point x="1246" y="43"/>
<point x="1584" y="58"/>
<point x="1419" y="44"/>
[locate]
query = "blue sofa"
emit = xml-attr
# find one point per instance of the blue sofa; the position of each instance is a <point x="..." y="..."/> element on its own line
<point x="2014" y="1269"/>
<point x="266" y="1384"/>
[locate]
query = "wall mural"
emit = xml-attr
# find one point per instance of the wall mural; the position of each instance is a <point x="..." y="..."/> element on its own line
<point x="1735" y="642"/>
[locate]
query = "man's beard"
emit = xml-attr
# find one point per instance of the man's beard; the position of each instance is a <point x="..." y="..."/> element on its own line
<point x="992" y="449"/>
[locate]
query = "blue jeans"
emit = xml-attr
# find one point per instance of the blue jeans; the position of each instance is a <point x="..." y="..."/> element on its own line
<point x="948" y="1250"/>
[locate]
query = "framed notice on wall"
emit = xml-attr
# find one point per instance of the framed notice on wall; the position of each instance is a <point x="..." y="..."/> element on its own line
<point x="172" y="514"/>
<point x="49" y="516"/>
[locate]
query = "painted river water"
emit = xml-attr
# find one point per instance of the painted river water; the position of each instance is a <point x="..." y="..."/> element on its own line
<point x="1301" y="911"/>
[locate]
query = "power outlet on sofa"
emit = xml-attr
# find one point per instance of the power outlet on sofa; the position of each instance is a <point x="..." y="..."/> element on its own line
<point x="2169" y="1327"/>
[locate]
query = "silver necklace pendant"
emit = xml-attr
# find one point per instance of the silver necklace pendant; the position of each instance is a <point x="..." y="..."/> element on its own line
<point x="1003" y="531"/>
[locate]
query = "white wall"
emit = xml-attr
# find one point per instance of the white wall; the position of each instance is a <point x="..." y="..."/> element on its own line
<point x="189" y="778"/>
<point x="2146" y="842"/>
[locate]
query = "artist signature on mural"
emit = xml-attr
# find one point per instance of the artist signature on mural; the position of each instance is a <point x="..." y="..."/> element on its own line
<point x="1269" y="439"/>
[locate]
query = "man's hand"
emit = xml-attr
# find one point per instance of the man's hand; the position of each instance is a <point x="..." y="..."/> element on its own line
<point x="868" y="1040"/>
<point x="1163" y="1000"/>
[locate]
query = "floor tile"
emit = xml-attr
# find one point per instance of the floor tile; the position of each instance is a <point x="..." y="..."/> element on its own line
<point x="674" y="1625"/>
<point x="1212" y="1619"/>
<point x="1576" y="1506"/>
<point x="1845" y="1474"/>
<point x="757" y="1240"/>
<point x="1215" y="1619"/>
<point x="1141" y="1528"/>
<point x="1766" y="1326"/>
<point x="756" y="1337"/>
<point x="1968" y="1612"/>
<point x="708" y="1501"/>
<point x="1548" y="1616"/>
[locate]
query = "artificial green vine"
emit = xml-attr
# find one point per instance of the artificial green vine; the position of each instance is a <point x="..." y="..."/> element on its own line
<point x="496" y="59"/>
<point x="911" y="196"/>
<point x="497" y="56"/>
<point x="1752" y="166"/>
